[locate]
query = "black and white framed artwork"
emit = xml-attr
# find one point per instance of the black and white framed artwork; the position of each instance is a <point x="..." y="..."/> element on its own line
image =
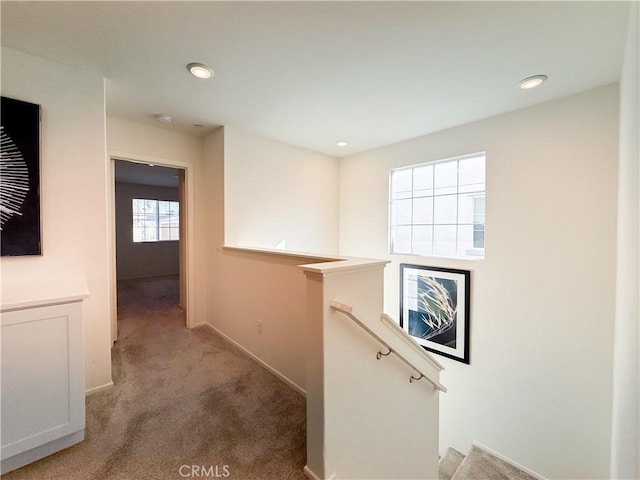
<point x="434" y="309"/>
<point x="20" y="223"/>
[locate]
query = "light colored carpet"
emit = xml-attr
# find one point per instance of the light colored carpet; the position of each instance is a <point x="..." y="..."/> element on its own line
<point x="449" y="464"/>
<point x="482" y="465"/>
<point x="182" y="400"/>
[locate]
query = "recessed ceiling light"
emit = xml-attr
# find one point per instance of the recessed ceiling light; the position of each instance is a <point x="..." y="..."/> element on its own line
<point x="164" y="118"/>
<point x="342" y="143"/>
<point x="532" y="82"/>
<point x="200" y="70"/>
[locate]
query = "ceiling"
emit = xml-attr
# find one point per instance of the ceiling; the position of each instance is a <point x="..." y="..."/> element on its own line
<point x="313" y="73"/>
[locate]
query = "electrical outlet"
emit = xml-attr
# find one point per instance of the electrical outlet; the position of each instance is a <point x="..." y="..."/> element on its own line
<point x="259" y="325"/>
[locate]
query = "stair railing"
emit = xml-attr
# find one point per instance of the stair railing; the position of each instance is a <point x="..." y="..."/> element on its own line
<point x="348" y="311"/>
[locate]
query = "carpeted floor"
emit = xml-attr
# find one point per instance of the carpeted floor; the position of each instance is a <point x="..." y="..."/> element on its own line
<point x="185" y="404"/>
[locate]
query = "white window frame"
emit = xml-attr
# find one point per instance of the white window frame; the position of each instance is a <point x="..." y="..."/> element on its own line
<point x="157" y="221"/>
<point x="461" y="191"/>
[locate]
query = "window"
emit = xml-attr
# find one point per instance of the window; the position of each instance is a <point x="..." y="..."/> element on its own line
<point x="155" y="220"/>
<point x="437" y="208"/>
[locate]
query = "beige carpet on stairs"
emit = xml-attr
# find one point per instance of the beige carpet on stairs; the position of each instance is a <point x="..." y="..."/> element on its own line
<point x="182" y="399"/>
<point x="480" y="464"/>
<point x="449" y="464"/>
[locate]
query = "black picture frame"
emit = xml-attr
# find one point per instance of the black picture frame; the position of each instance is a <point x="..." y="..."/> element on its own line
<point x="434" y="308"/>
<point x="20" y="217"/>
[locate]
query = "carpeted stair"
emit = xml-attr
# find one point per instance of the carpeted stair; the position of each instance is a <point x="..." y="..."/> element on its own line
<point x="480" y="464"/>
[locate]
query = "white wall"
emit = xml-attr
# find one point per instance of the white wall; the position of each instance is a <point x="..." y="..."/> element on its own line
<point x="211" y="230"/>
<point x="276" y="192"/>
<point x="143" y="140"/>
<point x="73" y="192"/>
<point x="364" y="418"/>
<point x="146" y="259"/>
<point x="259" y="192"/>
<point x="251" y="287"/>
<point x="625" y="443"/>
<point x="538" y="388"/>
<point x="128" y="140"/>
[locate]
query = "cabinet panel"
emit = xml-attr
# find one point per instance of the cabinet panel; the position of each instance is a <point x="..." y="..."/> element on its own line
<point x="42" y="376"/>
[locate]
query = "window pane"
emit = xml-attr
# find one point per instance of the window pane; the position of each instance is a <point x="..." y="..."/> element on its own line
<point x="138" y="221"/>
<point x="438" y="208"/>
<point x="478" y="235"/>
<point x="149" y="231"/>
<point x="164" y="233"/>
<point x="401" y="195"/>
<point x="144" y="220"/>
<point x="423" y="210"/>
<point x="465" y="240"/>
<point x="155" y="220"/>
<point x="137" y="234"/>
<point x="150" y="208"/>
<point x="478" y="221"/>
<point x="478" y="209"/>
<point x="471" y="171"/>
<point x="472" y="188"/>
<point x="169" y="220"/>
<point x="445" y="209"/>
<point x="401" y="212"/>
<point x="401" y="182"/>
<point x="137" y="206"/>
<point x="465" y="209"/>
<point x="164" y="208"/>
<point x="423" y="240"/>
<point x="169" y="233"/>
<point x="401" y="240"/>
<point x="423" y="178"/>
<point x="444" y="240"/>
<point x="446" y="177"/>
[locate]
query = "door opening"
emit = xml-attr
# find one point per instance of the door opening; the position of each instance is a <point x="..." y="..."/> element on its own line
<point x="149" y="248"/>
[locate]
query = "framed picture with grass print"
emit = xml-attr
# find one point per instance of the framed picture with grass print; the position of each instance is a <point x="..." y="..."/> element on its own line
<point x="434" y="309"/>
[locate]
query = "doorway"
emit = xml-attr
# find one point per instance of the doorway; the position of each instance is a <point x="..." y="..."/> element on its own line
<point x="149" y="248"/>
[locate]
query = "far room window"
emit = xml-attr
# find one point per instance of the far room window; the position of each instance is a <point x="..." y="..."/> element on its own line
<point x="155" y="220"/>
<point x="437" y="208"/>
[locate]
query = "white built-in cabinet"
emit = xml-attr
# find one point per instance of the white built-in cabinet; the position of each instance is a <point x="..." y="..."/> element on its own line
<point x="42" y="370"/>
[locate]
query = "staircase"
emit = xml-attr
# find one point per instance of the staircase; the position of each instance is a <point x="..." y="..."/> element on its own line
<point x="480" y="463"/>
<point x="372" y="392"/>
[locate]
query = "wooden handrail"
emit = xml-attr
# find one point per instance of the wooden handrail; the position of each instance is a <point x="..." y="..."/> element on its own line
<point x="348" y="311"/>
<point x="408" y="339"/>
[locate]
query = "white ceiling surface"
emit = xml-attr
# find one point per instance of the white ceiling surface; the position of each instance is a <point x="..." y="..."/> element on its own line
<point x="312" y="73"/>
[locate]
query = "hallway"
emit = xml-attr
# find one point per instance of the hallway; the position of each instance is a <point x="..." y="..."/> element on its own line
<point x="183" y="401"/>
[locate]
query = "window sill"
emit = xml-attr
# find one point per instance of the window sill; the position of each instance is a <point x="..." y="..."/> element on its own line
<point x="470" y="256"/>
<point x="154" y="241"/>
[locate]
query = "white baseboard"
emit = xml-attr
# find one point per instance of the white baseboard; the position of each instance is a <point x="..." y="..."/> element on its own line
<point x="281" y="376"/>
<point x="309" y="473"/>
<point x="312" y="476"/>
<point x="101" y="388"/>
<point x="201" y="324"/>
